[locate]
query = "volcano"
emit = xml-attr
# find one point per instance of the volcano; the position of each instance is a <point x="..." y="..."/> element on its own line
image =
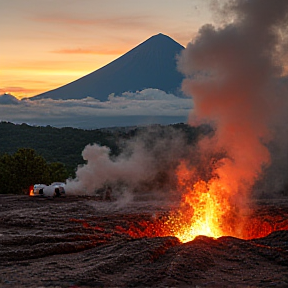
<point x="151" y="64"/>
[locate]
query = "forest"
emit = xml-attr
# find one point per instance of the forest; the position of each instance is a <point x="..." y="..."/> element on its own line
<point x="38" y="154"/>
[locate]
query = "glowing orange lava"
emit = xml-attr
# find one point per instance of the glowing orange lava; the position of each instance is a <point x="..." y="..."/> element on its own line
<point x="204" y="210"/>
<point x="207" y="208"/>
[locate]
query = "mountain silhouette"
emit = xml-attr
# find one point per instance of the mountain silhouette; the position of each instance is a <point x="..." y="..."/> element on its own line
<point x="151" y="64"/>
<point x="8" y="99"/>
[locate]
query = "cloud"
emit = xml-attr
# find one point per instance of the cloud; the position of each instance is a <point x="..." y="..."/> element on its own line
<point x="124" y="22"/>
<point x="97" y="51"/>
<point x="147" y="94"/>
<point x="18" y="90"/>
<point x="142" y="107"/>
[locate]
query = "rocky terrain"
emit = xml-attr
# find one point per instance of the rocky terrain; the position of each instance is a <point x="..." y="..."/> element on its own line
<point x="84" y="242"/>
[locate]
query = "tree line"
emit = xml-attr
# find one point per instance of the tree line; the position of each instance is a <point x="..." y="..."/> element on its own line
<point x="63" y="145"/>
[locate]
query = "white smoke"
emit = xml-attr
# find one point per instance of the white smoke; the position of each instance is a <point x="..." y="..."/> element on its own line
<point x="147" y="162"/>
<point x="101" y="169"/>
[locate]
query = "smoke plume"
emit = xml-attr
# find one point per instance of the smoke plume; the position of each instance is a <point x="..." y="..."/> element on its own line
<point x="235" y="73"/>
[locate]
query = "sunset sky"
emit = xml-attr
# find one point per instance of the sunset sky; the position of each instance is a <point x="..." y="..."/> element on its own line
<point x="48" y="43"/>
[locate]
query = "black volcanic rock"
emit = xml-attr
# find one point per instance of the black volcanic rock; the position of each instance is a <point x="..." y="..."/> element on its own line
<point x="77" y="241"/>
<point x="152" y="64"/>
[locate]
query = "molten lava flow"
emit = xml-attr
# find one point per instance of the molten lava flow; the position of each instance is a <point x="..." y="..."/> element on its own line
<point x="204" y="210"/>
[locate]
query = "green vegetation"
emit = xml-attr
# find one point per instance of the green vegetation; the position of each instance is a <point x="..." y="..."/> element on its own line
<point x="63" y="145"/>
<point x="25" y="168"/>
<point x="34" y="154"/>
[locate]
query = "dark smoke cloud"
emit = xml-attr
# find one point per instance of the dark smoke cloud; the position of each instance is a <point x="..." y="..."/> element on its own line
<point x="235" y="74"/>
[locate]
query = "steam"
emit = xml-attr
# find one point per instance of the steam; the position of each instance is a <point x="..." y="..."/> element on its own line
<point x="101" y="169"/>
<point x="235" y="74"/>
<point x="147" y="162"/>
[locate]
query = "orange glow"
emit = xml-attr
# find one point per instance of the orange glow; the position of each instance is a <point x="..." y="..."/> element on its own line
<point x="29" y="78"/>
<point x="40" y="80"/>
<point x="202" y="215"/>
<point x="207" y="209"/>
<point x="203" y="210"/>
<point x="31" y="191"/>
<point x="95" y="51"/>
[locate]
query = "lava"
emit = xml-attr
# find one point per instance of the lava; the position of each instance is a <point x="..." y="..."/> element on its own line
<point x="205" y="208"/>
<point x="100" y="230"/>
<point x="200" y="212"/>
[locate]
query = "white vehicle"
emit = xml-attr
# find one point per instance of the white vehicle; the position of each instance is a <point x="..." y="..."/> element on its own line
<point x="56" y="189"/>
<point x="37" y="190"/>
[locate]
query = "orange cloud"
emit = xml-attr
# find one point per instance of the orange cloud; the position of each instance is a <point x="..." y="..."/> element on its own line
<point x="131" y="22"/>
<point x="90" y="51"/>
<point x="19" y="92"/>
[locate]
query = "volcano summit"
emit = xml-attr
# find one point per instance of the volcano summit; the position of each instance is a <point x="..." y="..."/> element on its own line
<point x="151" y="64"/>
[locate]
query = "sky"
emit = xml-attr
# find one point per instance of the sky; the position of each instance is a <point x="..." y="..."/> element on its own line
<point x="45" y="44"/>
